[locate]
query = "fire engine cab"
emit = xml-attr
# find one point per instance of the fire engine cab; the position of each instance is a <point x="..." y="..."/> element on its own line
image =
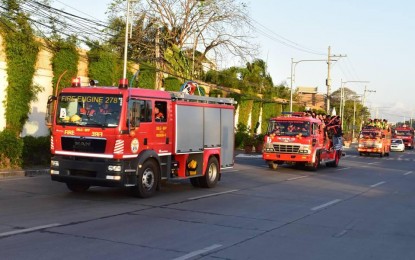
<point x="406" y="133"/>
<point x="297" y="139"/>
<point x="110" y="136"/>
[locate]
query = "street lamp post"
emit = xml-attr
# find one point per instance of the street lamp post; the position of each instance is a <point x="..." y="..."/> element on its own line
<point x="354" y="114"/>
<point x="342" y="95"/>
<point x="292" y="79"/>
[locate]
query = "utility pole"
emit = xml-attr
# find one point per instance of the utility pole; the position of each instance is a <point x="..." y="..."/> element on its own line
<point x="363" y="103"/>
<point x="159" y="76"/>
<point x="328" y="80"/>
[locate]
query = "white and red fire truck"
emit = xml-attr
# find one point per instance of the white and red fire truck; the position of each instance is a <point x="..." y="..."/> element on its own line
<point x="297" y="139"/>
<point x="406" y="133"/>
<point x="110" y="136"/>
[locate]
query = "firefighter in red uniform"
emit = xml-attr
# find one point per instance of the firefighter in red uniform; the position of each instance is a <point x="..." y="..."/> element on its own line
<point x="87" y="110"/>
<point x="159" y="117"/>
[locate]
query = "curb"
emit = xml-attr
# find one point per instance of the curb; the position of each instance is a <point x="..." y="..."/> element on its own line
<point x="23" y="173"/>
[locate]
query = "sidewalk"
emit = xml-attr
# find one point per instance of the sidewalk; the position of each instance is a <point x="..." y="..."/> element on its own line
<point x="30" y="172"/>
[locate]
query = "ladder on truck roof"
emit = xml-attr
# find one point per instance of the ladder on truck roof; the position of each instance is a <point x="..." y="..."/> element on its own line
<point x="201" y="99"/>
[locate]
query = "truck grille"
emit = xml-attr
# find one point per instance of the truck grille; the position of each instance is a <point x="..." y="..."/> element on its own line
<point x="81" y="144"/>
<point x="286" y="148"/>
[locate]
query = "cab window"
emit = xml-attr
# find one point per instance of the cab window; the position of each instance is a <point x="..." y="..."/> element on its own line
<point x="160" y="111"/>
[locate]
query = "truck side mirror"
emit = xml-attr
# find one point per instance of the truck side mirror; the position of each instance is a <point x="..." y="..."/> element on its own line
<point x="49" y="110"/>
<point x="134" y="115"/>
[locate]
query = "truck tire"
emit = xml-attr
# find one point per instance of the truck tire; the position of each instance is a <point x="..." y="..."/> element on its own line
<point x="77" y="187"/>
<point x="272" y="165"/>
<point x="316" y="164"/>
<point x="211" y="176"/>
<point x="147" y="179"/>
<point x="335" y="163"/>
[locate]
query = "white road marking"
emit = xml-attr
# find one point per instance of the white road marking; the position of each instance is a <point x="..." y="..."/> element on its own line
<point x="326" y="204"/>
<point x="243" y="155"/>
<point x="198" y="252"/>
<point x="341" y="169"/>
<point x="210" y="195"/>
<point x="373" y="162"/>
<point x="26" y="230"/>
<point x="230" y="171"/>
<point x="377" y="184"/>
<point x="296" y="178"/>
<point x="407" y="173"/>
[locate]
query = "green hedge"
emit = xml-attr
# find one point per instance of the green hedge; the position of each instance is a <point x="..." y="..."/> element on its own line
<point x="36" y="150"/>
<point x="11" y="149"/>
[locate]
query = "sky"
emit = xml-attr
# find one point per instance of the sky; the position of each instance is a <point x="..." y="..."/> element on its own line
<point x="377" y="36"/>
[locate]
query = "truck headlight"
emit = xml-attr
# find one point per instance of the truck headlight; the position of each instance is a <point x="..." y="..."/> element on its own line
<point x="378" y="145"/>
<point x="114" y="168"/>
<point x="361" y="145"/>
<point x="54" y="163"/>
<point x="304" y="149"/>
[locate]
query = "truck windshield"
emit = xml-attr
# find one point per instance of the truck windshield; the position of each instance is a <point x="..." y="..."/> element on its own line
<point x="369" y="134"/>
<point x="289" y="128"/>
<point x="404" y="132"/>
<point x="89" y="110"/>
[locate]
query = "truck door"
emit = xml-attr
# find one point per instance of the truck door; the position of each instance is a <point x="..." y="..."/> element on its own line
<point x="162" y="135"/>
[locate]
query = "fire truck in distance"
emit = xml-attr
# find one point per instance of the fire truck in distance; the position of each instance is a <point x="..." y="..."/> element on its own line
<point x="374" y="140"/>
<point x="297" y="139"/>
<point x="406" y="133"/>
<point x="111" y="136"/>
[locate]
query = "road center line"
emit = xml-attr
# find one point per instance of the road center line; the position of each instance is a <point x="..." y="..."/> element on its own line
<point x="326" y="204"/>
<point x="210" y="195"/>
<point x="296" y="178"/>
<point x="407" y="173"/>
<point x="373" y="162"/>
<point x="26" y="230"/>
<point x="198" y="252"/>
<point x="377" y="184"/>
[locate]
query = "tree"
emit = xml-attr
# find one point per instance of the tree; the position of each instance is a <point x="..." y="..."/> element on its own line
<point x="215" y="28"/>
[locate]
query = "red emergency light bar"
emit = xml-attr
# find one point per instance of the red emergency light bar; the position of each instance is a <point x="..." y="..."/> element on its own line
<point x="76" y="82"/>
<point x="123" y="83"/>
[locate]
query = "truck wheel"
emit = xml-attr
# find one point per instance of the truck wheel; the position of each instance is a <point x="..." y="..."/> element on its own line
<point x="272" y="165"/>
<point x="360" y="154"/>
<point x="147" y="179"/>
<point x="211" y="176"/>
<point x="335" y="163"/>
<point x="77" y="187"/>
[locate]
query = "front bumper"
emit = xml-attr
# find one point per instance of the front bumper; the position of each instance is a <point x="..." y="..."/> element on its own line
<point x="93" y="172"/>
<point x="287" y="157"/>
<point x="370" y="150"/>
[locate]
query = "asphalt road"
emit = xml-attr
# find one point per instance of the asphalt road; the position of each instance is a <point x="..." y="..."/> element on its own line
<point x="364" y="209"/>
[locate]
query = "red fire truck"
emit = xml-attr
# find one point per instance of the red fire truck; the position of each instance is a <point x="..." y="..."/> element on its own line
<point x="298" y="139"/>
<point x="374" y="140"/>
<point x="406" y="133"/>
<point x="110" y="136"/>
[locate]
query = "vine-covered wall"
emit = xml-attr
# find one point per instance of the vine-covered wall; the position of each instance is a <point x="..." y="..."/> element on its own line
<point x="245" y="108"/>
<point x="21" y="53"/>
<point x="64" y="62"/>
<point x="255" y="112"/>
